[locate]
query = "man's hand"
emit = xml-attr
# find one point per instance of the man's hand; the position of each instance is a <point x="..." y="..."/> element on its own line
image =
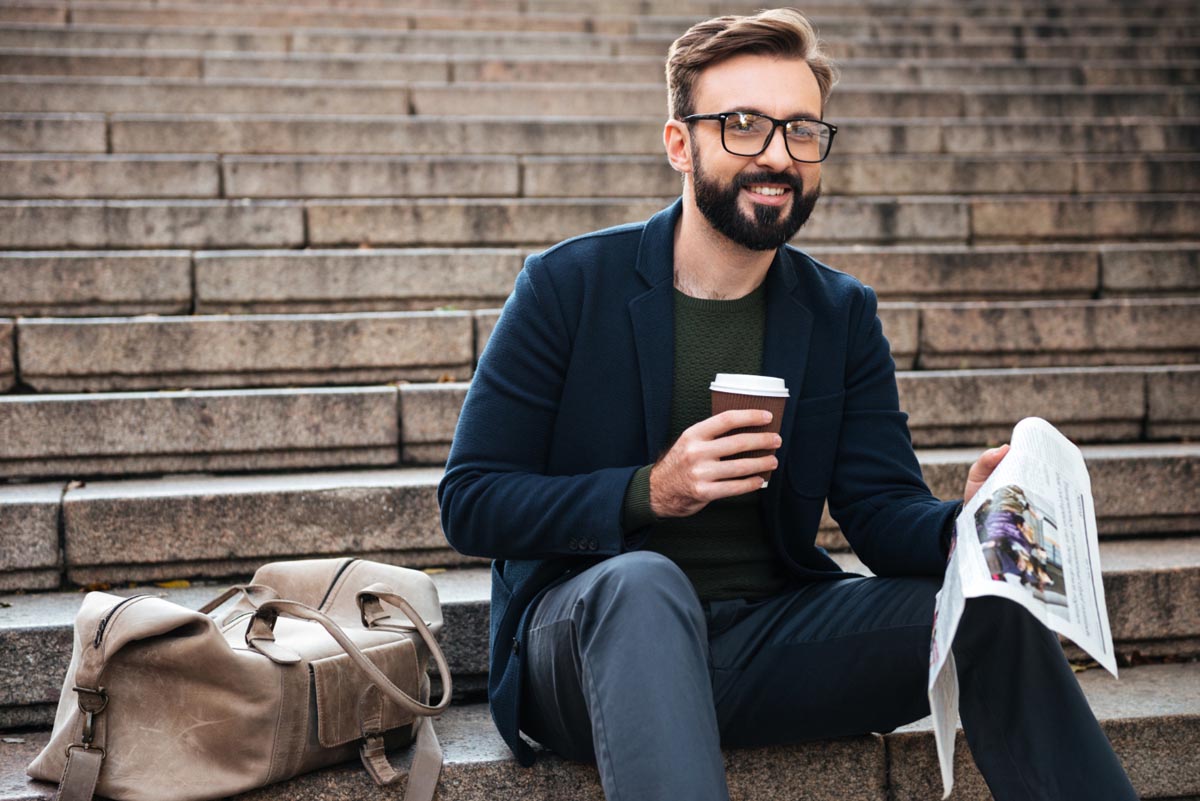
<point x="983" y="468"/>
<point x="691" y="474"/>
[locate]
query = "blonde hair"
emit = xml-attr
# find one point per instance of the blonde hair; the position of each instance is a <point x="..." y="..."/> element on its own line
<point x="779" y="32"/>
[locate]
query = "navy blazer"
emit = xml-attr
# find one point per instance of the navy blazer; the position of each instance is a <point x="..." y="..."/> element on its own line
<point x="573" y="394"/>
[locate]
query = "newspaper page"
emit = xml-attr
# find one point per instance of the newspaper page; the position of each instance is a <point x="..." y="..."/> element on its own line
<point x="1029" y="535"/>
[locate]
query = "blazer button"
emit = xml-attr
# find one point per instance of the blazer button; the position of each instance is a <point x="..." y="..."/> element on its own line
<point x="573" y="544"/>
<point x="516" y="646"/>
<point x="593" y="545"/>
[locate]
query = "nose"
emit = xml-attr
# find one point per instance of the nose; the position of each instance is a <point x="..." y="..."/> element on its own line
<point x="775" y="158"/>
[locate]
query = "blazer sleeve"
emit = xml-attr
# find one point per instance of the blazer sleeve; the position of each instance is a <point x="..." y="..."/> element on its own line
<point x="878" y="495"/>
<point x="497" y="499"/>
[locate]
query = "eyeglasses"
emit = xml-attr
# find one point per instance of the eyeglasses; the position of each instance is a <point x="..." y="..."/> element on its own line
<point x="747" y="134"/>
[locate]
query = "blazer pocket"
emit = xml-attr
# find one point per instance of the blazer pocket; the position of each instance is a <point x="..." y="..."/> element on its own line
<point x="816" y="427"/>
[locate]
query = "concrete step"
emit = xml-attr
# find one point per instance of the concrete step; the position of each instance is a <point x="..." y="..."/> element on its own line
<point x="122" y="353"/>
<point x="196" y="526"/>
<point x="1077" y="50"/>
<point x="89" y="283"/>
<point x="491" y="222"/>
<point x="183" y="14"/>
<point x="99" y="283"/>
<point x="885" y="71"/>
<point x="167" y="176"/>
<point x="53" y="133"/>
<point x="246" y="95"/>
<point x="1041" y="333"/>
<point x="577" y="69"/>
<point x="859" y="220"/>
<point x="119" y="353"/>
<point x="418" y="135"/>
<point x="91" y="224"/>
<point x="7" y="350"/>
<point x="96" y="282"/>
<point x="150" y="224"/>
<point x="107" y="176"/>
<point x="652" y="176"/>
<point x="1149" y="715"/>
<point x="285" y="16"/>
<point x="88" y="435"/>
<point x="1151" y="588"/>
<point x="1022" y="10"/>
<point x="181" y="431"/>
<point x="966" y="27"/>
<point x="156" y="176"/>
<point x="220" y="38"/>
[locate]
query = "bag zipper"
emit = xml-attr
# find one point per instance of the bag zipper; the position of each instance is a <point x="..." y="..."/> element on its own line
<point x="108" y="616"/>
<point x="333" y="583"/>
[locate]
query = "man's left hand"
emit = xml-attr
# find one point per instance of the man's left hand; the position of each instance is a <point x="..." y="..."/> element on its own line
<point x="983" y="468"/>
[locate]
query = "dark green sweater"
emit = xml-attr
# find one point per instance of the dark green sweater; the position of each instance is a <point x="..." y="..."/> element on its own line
<point x="723" y="548"/>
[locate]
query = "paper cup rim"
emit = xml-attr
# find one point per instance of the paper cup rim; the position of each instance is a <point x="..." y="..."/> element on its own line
<point x="743" y="384"/>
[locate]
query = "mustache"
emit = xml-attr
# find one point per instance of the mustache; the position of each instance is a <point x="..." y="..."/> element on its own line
<point x="793" y="182"/>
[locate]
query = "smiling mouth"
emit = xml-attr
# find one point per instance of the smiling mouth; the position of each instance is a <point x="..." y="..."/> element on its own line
<point x="768" y="191"/>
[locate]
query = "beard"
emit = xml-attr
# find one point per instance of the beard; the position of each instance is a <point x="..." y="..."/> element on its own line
<point x="771" y="227"/>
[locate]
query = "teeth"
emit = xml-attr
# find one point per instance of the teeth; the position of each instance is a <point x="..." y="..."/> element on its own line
<point x="767" y="190"/>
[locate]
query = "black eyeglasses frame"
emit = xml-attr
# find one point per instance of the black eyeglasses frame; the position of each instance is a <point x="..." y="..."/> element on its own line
<point x="775" y="124"/>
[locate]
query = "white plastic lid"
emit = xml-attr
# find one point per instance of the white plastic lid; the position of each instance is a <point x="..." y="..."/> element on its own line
<point x="744" y="384"/>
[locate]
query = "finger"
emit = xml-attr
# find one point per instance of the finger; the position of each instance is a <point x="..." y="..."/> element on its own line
<point x="741" y="443"/>
<point x="732" y="469"/>
<point x="732" y="487"/>
<point x="987" y="462"/>
<point x="720" y="424"/>
<point x="994" y="455"/>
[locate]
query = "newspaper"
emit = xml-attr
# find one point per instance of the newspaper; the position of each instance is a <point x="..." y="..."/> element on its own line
<point x="1029" y="535"/>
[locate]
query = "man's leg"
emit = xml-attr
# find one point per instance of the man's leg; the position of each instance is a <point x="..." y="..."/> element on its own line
<point x="617" y="671"/>
<point x="850" y="657"/>
<point x="1027" y="721"/>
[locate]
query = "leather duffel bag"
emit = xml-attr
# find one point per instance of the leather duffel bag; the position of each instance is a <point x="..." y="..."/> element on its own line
<point x="318" y="661"/>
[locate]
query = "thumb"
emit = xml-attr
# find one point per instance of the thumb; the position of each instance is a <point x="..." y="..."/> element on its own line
<point x="982" y="468"/>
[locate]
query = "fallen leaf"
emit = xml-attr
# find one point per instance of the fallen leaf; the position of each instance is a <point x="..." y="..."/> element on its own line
<point x="177" y="584"/>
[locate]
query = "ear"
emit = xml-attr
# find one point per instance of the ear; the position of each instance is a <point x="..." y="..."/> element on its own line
<point x="678" y="142"/>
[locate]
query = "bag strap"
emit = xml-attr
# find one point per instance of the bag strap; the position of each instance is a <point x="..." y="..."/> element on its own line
<point x="80" y="774"/>
<point x="427" y="752"/>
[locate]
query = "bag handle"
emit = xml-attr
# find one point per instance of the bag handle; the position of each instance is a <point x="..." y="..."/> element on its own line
<point x="254" y="594"/>
<point x="260" y="636"/>
<point x="373" y="615"/>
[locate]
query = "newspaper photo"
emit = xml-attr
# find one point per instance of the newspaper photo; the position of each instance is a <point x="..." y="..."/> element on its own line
<point x="1028" y="535"/>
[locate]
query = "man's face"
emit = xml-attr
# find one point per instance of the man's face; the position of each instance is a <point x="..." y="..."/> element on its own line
<point x="758" y="202"/>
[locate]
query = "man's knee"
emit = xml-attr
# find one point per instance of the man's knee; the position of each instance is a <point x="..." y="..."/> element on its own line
<point x="991" y="624"/>
<point x="644" y="583"/>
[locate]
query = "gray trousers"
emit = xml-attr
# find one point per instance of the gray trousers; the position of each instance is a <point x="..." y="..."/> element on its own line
<point x="628" y="669"/>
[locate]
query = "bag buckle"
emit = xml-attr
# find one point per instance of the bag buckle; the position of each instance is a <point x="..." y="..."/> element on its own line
<point x="91" y="703"/>
<point x="86" y="747"/>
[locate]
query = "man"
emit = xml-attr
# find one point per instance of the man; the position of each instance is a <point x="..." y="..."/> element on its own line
<point x="652" y="600"/>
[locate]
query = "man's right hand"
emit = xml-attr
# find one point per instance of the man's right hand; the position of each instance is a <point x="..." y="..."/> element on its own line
<point x="691" y="474"/>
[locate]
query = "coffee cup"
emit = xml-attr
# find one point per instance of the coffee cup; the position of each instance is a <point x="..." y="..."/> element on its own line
<point x="742" y="391"/>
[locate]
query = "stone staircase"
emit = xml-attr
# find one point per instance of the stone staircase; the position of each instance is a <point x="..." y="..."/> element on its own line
<point x="249" y="254"/>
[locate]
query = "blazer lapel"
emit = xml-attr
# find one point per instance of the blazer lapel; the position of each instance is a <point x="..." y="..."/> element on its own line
<point x="787" y="338"/>
<point x="653" y="317"/>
